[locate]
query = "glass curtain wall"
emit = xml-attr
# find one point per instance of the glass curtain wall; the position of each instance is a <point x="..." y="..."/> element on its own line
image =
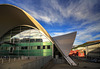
<point x="26" y="41"/>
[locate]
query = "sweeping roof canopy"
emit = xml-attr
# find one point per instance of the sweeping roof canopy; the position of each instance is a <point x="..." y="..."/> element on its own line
<point x="12" y="16"/>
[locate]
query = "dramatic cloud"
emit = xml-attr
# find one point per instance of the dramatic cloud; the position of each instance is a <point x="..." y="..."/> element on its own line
<point x="85" y="34"/>
<point x="51" y="11"/>
<point x="97" y="36"/>
<point x="82" y="16"/>
<point x="59" y="33"/>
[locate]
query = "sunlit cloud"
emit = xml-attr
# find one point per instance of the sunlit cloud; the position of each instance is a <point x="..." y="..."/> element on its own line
<point x="59" y="33"/>
<point x="84" y="14"/>
<point x="51" y="11"/>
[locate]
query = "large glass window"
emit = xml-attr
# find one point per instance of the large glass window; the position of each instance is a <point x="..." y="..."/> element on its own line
<point x="24" y="40"/>
<point x="23" y="34"/>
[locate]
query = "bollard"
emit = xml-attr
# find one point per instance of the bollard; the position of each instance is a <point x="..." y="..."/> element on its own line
<point x="18" y="58"/>
<point x="22" y="57"/>
<point x="2" y="61"/>
<point x="9" y="59"/>
<point x="14" y="59"/>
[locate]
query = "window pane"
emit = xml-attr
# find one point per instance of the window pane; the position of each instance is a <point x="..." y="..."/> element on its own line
<point x="43" y="47"/>
<point x="48" y="47"/>
<point x="24" y="48"/>
<point x="38" y="47"/>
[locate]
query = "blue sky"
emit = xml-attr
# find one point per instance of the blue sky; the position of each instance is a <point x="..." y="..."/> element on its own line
<point x="60" y="17"/>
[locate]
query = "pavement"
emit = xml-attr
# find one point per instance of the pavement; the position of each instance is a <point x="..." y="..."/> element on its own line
<point x="15" y="64"/>
<point x="81" y="65"/>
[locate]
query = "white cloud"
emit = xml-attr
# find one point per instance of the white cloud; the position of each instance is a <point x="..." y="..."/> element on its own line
<point x="97" y="36"/>
<point x="83" y="35"/>
<point x="77" y="42"/>
<point x="86" y="34"/>
<point x="90" y="29"/>
<point x="59" y="33"/>
<point x="51" y="11"/>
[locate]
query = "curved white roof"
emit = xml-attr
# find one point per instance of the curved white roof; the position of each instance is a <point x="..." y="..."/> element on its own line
<point x="12" y="16"/>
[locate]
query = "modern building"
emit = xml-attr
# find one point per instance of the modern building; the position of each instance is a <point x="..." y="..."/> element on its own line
<point x="26" y="41"/>
<point x="22" y="35"/>
<point x="91" y="49"/>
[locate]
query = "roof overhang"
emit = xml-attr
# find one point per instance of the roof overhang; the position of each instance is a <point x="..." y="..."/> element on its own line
<point x="64" y="44"/>
<point x="12" y="16"/>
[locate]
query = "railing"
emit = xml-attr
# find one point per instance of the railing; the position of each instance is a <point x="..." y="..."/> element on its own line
<point x="37" y="64"/>
<point x="4" y="60"/>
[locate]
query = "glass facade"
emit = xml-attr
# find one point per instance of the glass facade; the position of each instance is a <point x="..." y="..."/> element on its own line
<point x="26" y="41"/>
